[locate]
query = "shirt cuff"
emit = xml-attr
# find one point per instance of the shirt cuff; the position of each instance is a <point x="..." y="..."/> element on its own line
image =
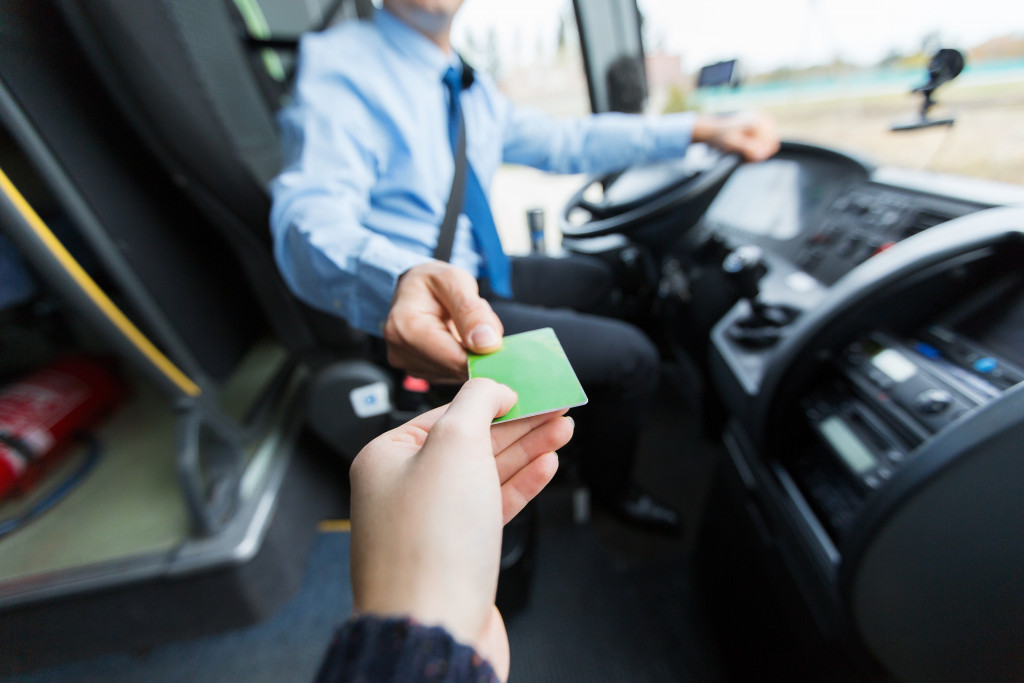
<point x="672" y="133"/>
<point x="379" y="268"/>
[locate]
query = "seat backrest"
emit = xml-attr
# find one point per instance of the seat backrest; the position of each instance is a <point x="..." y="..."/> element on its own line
<point x="193" y="81"/>
<point x="273" y="28"/>
<point x="177" y="277"/>
<point x="196" y="278"/>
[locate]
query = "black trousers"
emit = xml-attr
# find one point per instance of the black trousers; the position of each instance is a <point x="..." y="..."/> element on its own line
<point x="616" y="362"/>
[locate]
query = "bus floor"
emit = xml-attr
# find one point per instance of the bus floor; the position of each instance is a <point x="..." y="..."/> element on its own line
<point x="604" y="602"/>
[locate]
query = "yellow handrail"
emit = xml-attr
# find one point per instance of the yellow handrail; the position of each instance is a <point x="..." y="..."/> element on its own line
<point x="93" y="291"/>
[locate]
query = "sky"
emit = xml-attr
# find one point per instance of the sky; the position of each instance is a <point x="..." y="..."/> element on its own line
<point x="765" y="34"/>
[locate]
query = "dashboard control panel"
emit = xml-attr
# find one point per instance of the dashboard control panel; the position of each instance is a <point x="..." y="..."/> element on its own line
<point x="864" y="222"/>
<point x="823" y="214"/>
<point x="887" y="396"/>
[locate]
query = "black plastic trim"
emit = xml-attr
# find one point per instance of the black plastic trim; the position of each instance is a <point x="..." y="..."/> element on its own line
<point x="944" y="451"/>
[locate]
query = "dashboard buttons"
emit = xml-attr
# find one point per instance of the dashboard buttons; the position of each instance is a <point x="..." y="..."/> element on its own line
<point x="889" y="218"/>
<point x="880" y="379"/>
<point x="852" y="245"/>
<point x="986" y="364"/>
<point x="822" y="237"/>
<point x="933" y="401"/>
<point x="928" y="351"/>
<point x="810" y="258"/>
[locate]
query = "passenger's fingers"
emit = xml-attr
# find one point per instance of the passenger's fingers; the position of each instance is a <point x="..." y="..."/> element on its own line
<point x="525" y="484"/>
<point x="469" y="417"/>
<point x="505" y="434"/>
<point x="547" y="437"/>
<point x="420" y="425"/>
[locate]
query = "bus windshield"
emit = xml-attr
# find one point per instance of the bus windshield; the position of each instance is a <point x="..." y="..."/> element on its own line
<point x="831" y="72"/>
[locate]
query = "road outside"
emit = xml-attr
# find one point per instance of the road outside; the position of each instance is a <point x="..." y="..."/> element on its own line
<point x="987" y="140"/>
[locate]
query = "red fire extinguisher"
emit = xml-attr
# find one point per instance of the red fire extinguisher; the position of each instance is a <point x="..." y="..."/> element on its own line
<point x="40" y="413"/>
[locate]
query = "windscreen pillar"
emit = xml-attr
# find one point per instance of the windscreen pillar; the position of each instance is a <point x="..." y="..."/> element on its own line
<point x="609" y="31"/>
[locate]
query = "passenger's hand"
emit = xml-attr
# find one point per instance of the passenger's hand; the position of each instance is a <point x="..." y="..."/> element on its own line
<point x="751" y="135"/>
<point x="428" y="503"/>
<point x="436" y="315"/>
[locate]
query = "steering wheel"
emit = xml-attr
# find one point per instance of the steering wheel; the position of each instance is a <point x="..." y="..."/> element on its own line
<point x="631" y="199"/>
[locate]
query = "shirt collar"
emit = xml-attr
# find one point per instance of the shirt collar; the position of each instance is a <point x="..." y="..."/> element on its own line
<point x="414" y="45"/>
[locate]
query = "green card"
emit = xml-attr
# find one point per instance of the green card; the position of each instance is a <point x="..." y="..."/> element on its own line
<point x="534" y="364"/>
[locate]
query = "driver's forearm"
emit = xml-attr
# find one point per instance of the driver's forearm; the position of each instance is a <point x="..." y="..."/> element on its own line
<point x="595" y="144"/>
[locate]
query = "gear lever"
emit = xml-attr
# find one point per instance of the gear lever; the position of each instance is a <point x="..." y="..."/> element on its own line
<point x="745" y="267"/>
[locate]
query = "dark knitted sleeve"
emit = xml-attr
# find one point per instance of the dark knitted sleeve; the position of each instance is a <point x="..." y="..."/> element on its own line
<point x="378" y="650"/>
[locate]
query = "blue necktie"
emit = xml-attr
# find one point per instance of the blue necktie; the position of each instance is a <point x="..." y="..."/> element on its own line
<point x="475" y="206"/>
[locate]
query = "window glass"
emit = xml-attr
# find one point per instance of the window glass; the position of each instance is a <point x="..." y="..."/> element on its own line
<point x="532" y="50"/>
<point x="841" y="73"/>
<point x="831" y="72"/>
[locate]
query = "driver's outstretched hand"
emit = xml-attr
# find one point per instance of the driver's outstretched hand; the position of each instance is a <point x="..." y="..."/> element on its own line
<point x="752" y="135"/>
<point x="436" y="315"/>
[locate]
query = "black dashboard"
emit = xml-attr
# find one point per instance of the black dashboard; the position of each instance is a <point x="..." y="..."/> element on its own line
<point x="874" y="438"/>
<point x="823" y="211"/>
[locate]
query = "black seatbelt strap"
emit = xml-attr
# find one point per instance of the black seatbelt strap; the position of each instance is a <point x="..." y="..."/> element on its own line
<point x="446" y="238"/>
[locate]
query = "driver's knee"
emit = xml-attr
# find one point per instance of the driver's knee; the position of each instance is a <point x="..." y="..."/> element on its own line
<point x="638" y="367"/>
<point x="613" y="359"/>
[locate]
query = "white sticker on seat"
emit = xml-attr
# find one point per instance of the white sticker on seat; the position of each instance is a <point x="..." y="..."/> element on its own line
<point x="370" y="400"/>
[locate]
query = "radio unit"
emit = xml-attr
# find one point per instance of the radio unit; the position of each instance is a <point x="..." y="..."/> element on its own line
<point x="893" y="394"/>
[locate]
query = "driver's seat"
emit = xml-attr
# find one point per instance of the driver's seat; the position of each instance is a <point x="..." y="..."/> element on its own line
<point x="200" y="82"/>
<point x="205" y="106"/>
<point x="204" y="110"/>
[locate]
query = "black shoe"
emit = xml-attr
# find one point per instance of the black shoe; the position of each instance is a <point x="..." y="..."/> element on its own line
<point x="643" y="510"/>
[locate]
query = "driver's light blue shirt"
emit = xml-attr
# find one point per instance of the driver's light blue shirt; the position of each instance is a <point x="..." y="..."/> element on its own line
<point x="368" y="163"/>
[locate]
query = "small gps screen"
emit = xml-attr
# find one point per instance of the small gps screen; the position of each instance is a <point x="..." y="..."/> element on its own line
<point x="718" y="74"/>
<point x="845" y="443"/>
